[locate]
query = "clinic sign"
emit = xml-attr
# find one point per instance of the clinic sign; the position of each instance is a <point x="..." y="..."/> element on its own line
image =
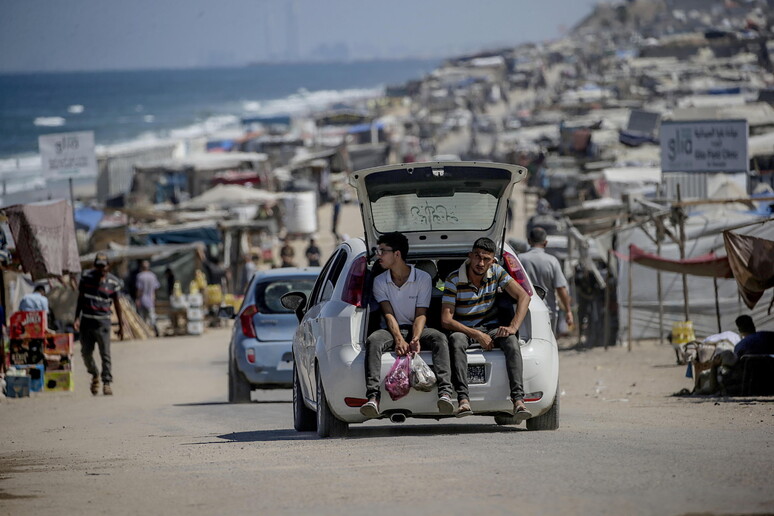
<point x="68" y="154"/>
<point x="704" y="146"/>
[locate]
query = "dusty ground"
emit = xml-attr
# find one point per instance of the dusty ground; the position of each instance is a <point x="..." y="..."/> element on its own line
<point x="167" y="442"/>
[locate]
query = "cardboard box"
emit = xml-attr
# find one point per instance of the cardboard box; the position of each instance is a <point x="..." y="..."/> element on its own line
<point x="28" y="325"/>
<point x="17" y="386"/>
<point x="25" y="351"/>
<point x="35" y="373"/>
<point x="59" y="344"/>
<point x="59" y="381"/>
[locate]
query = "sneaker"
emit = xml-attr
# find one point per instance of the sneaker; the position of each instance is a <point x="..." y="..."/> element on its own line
<point x="94" y="385"/>
<point x="370" y="409"/>
<point x="107" y="390"/>
<point x="445" y="405"/>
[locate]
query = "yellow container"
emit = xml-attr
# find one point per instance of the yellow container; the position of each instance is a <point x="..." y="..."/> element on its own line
<point x="682" y="332"/>
<point x="213" y="295"/>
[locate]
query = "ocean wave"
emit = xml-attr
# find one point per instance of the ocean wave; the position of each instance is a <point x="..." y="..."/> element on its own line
<point x="49" y="121"/>
<point x="75" y="109"/>
<point x="307" y="102"/>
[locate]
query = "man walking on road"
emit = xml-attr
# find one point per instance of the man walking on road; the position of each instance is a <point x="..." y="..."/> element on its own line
<point x="147" y="284"/>
<point x="96" y="290"/>
<point x="469" y="313"/>
<point x="543" y="269"/>
<point x="403" y="293"/>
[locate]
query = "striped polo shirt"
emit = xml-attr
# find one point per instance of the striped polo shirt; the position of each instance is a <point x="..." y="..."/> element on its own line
<point x="474" y="306"/>
<point x="96" y="294"/>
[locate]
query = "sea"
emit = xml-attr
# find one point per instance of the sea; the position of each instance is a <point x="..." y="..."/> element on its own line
<point x="123" y="107"/>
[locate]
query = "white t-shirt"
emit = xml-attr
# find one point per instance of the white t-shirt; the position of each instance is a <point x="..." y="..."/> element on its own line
<point x="404" y="300"/>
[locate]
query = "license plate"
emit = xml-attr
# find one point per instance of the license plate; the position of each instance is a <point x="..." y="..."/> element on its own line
<point x="476" y="373"/>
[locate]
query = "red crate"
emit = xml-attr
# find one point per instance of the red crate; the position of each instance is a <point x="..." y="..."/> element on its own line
<point x="28" y="325"/>
<point x="59" y="344"/>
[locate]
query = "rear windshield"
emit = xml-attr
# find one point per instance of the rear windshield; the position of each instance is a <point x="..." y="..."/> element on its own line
<point x="460" y="199"/>
<point x="268" y="293"/>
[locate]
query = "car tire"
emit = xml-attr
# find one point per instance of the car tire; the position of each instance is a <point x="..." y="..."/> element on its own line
<point x="304" y="419"/>
<point x="328" y="425"/>
<point x="549" y="420"/>
<point x="238" y="387"/>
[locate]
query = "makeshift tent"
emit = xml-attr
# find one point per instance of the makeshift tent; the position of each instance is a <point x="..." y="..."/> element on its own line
<point x="224" y="196"/>
<point x="205" y="232"/>
<point x="44" y="235"/>
<point x="750" y="251"/>
<point x="709" y="265"/>
<point x="704" y="234"/>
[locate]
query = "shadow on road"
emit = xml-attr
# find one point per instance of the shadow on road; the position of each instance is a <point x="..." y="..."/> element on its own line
<point x="362" y="432"/>
<point x="210" y="403"/>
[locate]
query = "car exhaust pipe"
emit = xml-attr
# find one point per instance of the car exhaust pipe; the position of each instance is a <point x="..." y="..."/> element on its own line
<point x="398" y="418"/>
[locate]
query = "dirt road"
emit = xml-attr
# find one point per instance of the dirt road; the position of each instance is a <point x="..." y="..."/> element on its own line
<point x="168" y="443"/>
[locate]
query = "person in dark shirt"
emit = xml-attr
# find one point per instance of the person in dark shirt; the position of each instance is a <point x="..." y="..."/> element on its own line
<point x="313" y="253"/>
<point x="96" y="291"/>
<point x="753" y="342"/>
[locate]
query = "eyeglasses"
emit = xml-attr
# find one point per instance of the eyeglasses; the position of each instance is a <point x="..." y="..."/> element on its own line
<point x="380" y="251"/>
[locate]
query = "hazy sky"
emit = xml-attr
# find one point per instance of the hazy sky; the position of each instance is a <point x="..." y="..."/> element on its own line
<point x="37" y="35"/>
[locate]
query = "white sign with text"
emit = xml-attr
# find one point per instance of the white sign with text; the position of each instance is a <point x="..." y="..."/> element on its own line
<point x="704" y="146"/>
<point x="68" y="154"/>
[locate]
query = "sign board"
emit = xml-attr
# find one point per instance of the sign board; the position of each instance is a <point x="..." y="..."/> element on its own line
<point x="704" y="146"/>
<point x="68" y="154"/>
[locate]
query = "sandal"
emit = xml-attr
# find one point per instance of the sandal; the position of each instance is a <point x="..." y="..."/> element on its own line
<point x="521" y="413"/>
<point x="464" y="409"/>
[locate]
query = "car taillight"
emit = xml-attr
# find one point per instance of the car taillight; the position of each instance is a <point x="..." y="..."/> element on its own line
<point x="251" y="355"/>
<point x="353" y="288"/>
<point x="248" y="328"/>
<point x="513" y="267"/>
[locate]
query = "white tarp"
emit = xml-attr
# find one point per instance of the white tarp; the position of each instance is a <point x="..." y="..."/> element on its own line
<point x="224" y="196"/>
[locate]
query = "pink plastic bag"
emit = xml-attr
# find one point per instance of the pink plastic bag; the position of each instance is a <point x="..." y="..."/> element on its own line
<point x="397" y="380"/>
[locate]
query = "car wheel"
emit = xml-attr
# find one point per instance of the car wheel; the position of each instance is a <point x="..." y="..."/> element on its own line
<point x="328" y="425"/>
<point x="238" y="388"/>
<point x="304" y="419"/>
<point x="549" y="420"/>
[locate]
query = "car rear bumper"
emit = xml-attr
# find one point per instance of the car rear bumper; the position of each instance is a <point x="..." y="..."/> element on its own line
<point x="343" y="375"/>
<point x="273" y="366"/>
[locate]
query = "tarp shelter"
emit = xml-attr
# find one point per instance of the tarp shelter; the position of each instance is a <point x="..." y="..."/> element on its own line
<point x="205" y="232"/>
<point x="226" y="196"/>
<point x="44" y="235"/>
<point x="709" y="265"/>
<point x="88" y="218"/>
<point x="704" y="234"/>
<point x="750" y="251"/>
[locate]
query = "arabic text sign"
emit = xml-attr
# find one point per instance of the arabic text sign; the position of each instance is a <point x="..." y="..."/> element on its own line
<point x="68" y="154"/>
<point x="704" y="146"/>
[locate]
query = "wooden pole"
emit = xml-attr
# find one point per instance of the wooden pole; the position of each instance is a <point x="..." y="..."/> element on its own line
<point x="629" y="295"/>
<point x="717" y="302"/>
<point x="659" y="292"/>
<point x="607" y="297"/>
<point x="681" y="221"/>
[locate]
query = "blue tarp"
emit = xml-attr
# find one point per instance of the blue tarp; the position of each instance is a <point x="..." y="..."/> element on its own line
<point x="88" y="218"/>
<point x="364" y="128"/>
<point x="209" y="235"/>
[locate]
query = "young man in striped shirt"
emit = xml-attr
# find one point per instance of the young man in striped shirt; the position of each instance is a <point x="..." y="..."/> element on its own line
<point x="469" y="313"/>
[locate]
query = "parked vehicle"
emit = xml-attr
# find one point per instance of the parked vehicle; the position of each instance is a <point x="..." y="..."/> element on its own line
<point x="260" y="355"/>
<point x="441" y="208"/>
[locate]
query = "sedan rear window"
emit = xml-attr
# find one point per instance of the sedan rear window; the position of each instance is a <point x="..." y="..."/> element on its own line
<point x="268" y="293"/>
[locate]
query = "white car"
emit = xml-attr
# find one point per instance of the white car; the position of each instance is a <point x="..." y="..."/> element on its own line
<point x="441" y="207"/>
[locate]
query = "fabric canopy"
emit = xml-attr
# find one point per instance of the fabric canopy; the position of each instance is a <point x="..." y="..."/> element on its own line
<point x="45" y="238"/>
<point x="709" y="265"/>
<point x="751" y="257"/>
<point x="230" y="195"/>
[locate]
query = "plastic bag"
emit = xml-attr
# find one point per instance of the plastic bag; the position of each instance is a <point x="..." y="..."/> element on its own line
<point x="422" y="377"/>
<point x="397" y="380"/>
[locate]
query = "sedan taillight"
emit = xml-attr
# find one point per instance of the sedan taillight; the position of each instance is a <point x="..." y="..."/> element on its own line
<point x="353" y="288"/>
<point x="246" y="320"/>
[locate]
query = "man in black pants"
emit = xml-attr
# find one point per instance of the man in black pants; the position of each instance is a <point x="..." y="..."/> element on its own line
<point x="469" y="313"/>
<point x="403" y="292"/>
<point x="96" y="291"/>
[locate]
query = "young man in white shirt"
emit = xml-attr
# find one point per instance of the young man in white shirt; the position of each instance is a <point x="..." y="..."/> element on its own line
<point x="403" y="293"/>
